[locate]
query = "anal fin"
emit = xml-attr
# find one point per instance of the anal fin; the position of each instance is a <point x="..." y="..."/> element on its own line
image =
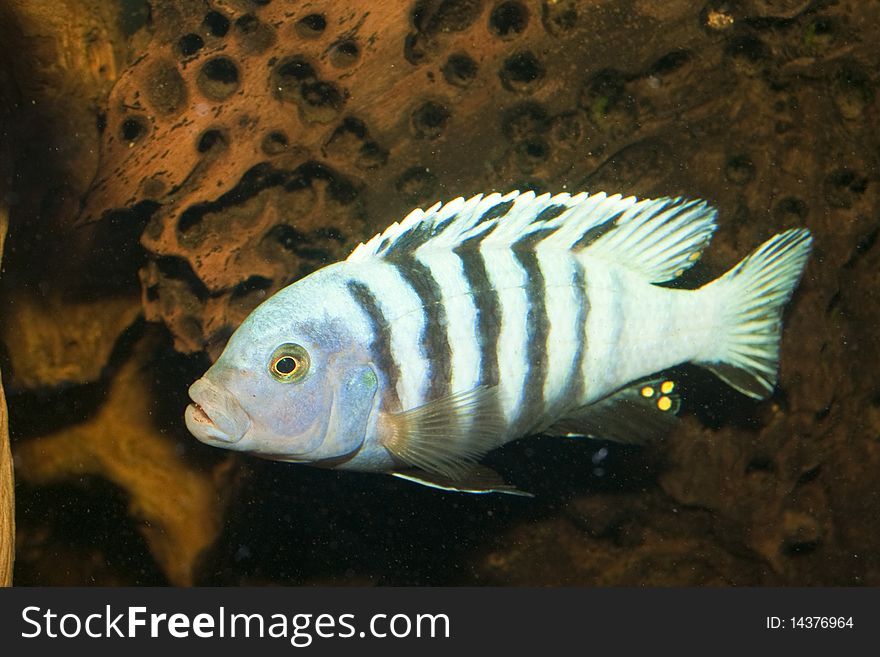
<point x="477" y="479"/>
<point x="633" y="415"/>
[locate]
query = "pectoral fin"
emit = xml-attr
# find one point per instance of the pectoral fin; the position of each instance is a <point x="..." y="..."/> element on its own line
<point x="477" y="479"/>
<point x="445" y="437"/>
<point x="634" y="415"/>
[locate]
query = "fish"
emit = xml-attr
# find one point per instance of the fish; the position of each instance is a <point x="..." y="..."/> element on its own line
<point x="480" y="321"/>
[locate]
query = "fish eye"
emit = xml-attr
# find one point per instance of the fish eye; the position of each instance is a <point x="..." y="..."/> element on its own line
<point x="290" y="362"/>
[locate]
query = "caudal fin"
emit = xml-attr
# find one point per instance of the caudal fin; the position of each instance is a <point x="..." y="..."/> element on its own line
<point x="754" y="294"/>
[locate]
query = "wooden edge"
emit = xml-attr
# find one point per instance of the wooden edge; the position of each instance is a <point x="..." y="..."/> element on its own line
<point x="7" y="493"/>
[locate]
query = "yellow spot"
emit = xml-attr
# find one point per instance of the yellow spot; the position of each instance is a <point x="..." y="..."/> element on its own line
<point x="647" y="391"/>
<point x="666" y="387"/>
<point x="664" y="403"/>
<point x="693" y="257"/>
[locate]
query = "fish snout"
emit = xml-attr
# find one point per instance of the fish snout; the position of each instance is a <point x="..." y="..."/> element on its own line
<point x="215" y="417"/>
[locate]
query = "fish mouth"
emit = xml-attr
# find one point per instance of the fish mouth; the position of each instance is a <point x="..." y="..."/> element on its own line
<point x="199" y="414"/>
<point x="214" y="416"/>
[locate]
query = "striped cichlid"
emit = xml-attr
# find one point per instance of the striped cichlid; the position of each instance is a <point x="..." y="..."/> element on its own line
<point x="479" y="321"/>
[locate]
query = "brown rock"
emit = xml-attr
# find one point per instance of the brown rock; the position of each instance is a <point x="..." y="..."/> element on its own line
<point x="179" y="505"/>
<point x="53" y="342"/>
<point x="267" y="140"/>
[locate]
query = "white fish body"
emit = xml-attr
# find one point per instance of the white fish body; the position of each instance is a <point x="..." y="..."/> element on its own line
<point x="480" y="321"/>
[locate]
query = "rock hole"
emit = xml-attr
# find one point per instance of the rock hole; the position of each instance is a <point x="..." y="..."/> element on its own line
<point x="852" y="91"/>
<point x="413" y="49"/>
<point x="218" y="78"/>
<point x="810" y="475"/>
<point x="211" y="140"/>
<point x="670" y="62"/>
<point x="761" y="464"/>
<point x="559" y="16"/>
<point x="524" y="121"/>
<point x="820" y="33"/>
<point x="508" y="19"/>
<point x="287" y="77"/>
<point x="189" y="219"/>
<point x="416" y="184"/>
<point x="345" y="53"/>
<point x="216" y="23"/>
<point x="153" y="188"/>
<point x="431" y="17"/>
<point x="254" y="35"/>
<point x="740" y="170"/>
<point x="531" y="153"/>
<point x="347" y="138"/>
<point x="748" y="47"/>
<point x="178" y="269"/>
<point x="297" y="69"/>
<point x="843" y="188"/>
<point x="608" y="104"/>
<point x="568" y="129"/>
<point x="287" y="236"/>
<point x="790" y="210"/>
<point x="322" y="101"/>
<point x="293" y="241"/>
<point x="354" y="126"/>
<point x="247" y="23"/>
<point x="521" y="71"/>
<point x="321" y="94"/>
<point x="133" y="129"/>
<point x="371" y="156"/>
<point x="536" y="148"/>
<point x="429" y="120"/>
<point x="189" y="44"/>
<point x="311" y="26"/>
<point x="460" y="69"/>
<point x="339" y="188"/>
<point x="275" y="142"/>
<point x="253" y="285"/>
<point x="747" y="54"/>
<point x="342" y="190"/>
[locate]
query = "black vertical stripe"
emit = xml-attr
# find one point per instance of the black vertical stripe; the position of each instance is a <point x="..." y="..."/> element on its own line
<point x="487" y="305"/>
<point x="435" y="335"/>
<point x="532" y="405"/>
<point x="381" y="347"/>
<point x="576" y="384"/>
<point x="596" y="232"/>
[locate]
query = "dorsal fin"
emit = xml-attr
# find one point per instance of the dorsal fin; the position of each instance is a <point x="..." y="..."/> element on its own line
<point x="657" y="238"/>
<point x="445" y="226"/>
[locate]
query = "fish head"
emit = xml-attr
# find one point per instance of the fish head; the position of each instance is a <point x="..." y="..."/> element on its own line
<point x="291" y="390"/>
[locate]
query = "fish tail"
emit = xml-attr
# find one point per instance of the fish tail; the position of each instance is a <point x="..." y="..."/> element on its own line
<point x="751" y="298"/>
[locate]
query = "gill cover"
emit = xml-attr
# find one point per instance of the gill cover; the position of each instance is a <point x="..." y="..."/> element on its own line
<point x="352" y="403"/>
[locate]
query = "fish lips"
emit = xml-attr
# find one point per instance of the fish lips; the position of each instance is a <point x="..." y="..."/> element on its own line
<point x="215" y="417"/>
